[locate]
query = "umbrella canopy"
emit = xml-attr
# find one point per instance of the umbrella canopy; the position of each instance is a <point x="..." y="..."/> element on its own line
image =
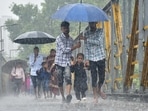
<point x="7" y="67"/>
<point x="80" y="12"/>
<point x="34" y="37"/>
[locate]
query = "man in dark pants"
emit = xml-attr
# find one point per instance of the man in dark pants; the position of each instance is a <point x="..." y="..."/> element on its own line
<point x="64" y="48"/>
<point x="35" y="61"/>
<point x="95" y="57"/>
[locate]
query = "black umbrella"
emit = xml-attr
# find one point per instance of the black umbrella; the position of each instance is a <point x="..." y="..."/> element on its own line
<point x="7" y="67"/>
<point x="34" y="37"/>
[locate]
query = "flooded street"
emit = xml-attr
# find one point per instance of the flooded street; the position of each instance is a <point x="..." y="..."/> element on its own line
<point x="28" y="103"/>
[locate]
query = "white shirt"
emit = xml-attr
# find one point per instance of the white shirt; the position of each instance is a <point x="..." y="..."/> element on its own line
<point x="35" y="65"/>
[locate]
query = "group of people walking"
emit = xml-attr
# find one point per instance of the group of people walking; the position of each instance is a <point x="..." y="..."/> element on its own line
<point x="60" y="63"/>
<point x="94" y="58"/>
<point x="43" y="74"/>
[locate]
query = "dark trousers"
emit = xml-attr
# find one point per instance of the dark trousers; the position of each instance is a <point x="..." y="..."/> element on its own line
<point x="97" y="69"/>
<point x="78" y="94"/>
<point x="17" y="86"/>
<point x="45" y="85"/>
<point x="36" y="82"/>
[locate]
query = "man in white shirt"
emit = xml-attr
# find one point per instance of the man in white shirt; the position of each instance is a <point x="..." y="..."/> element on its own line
<point x="35" y="61"/>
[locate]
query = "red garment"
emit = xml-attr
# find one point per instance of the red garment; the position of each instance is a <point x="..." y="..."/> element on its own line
<point x="54" y="83"/>
<point x="27" y="82"/>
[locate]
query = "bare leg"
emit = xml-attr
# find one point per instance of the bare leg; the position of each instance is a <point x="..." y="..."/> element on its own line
<point x="50" y="92"/>
<point x="54" y="96"/>
<point x="68" y="89"/>
<point x="47" y="94"/>
<point x="102" y="94"/>
<point x="39" y="90"/>
<point x="95" y="94"/>
<point x="44" y="94"/>
<point x="35" y="92"/>
<point x="62" y="93"/>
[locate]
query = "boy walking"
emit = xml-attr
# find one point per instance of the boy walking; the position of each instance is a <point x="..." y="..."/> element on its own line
<point x="80" y="81"/>
<point x="44" y="76"/>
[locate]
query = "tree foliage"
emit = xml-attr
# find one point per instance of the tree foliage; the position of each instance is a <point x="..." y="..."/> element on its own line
<point x="30" y="18"/>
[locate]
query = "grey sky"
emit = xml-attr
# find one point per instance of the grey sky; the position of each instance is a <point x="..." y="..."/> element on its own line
<point x="6" y="11"/>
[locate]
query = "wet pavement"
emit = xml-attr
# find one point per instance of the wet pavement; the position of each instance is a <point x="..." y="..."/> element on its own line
<point x="28" y="103"/>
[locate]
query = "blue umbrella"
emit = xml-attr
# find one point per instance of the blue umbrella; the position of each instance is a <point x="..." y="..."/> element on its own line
<point x="80" y="12"/>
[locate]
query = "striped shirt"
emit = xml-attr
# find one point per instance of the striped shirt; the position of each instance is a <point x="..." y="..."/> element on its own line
<point x="94" y="45"/>
<point x="63" y="50"/>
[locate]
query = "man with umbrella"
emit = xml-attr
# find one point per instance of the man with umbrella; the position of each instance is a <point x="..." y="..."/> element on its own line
<point x="64" y="48"/>
<point x="95" y="57"/>
<point x="82" y="12"/>
<point x="35" y="61"/>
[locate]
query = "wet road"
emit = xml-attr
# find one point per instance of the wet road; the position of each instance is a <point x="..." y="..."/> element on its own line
<point x="28" y="103"/>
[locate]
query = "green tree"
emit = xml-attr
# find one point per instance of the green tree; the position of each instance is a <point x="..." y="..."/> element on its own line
<point x="31" y="18"/>
<point x="28" y="20"/>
